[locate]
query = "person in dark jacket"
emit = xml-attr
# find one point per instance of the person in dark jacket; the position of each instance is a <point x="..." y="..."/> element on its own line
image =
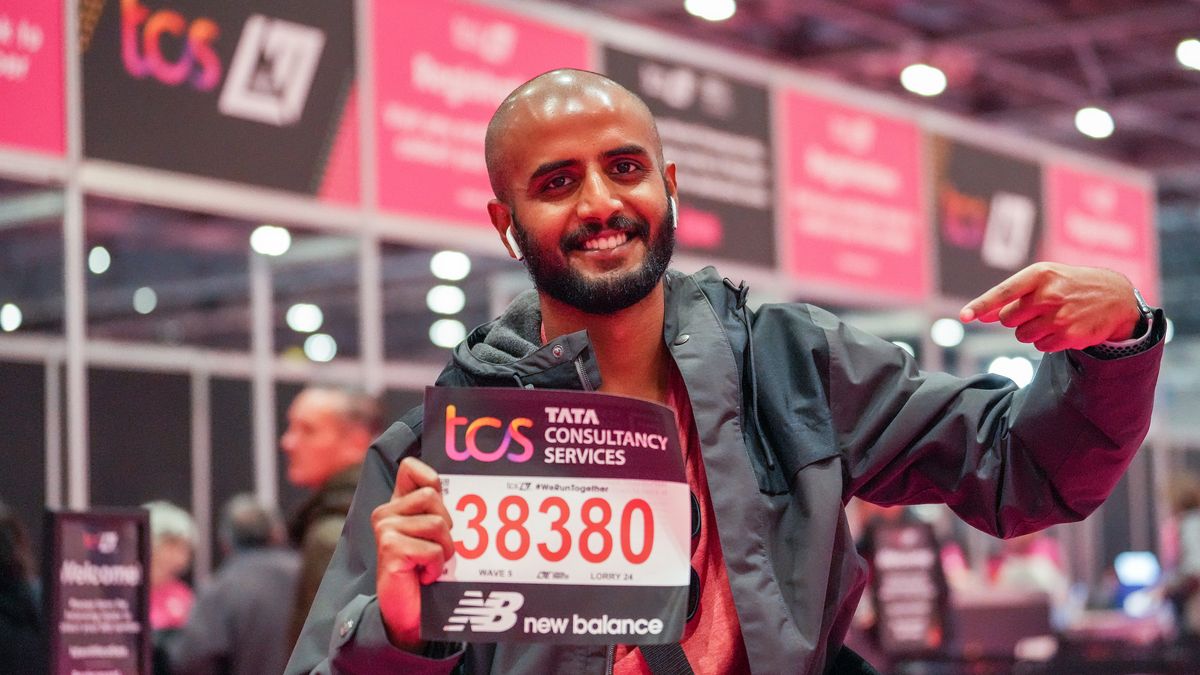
<point x="23" y="643"/>
<point x="329" y="429"/>
<point x="240" y="620"/>
<point x="785" y="412"/>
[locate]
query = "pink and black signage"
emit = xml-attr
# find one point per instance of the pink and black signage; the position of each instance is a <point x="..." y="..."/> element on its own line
<point x="853" y="199"/>
<point x="95" y="581"/>
<point x="988" y="214"/>
<point x="31" y="76"/>
<point x="441" y="68"/>
<point x="260" y="93"/>
<point x="1101" y="221"/>
<point x="717" y="131"/>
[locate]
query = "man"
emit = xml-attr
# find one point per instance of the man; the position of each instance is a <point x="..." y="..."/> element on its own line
<point x="240" y="620"/>
<point x="329" y="429"/>
<point x="785" y="413"/>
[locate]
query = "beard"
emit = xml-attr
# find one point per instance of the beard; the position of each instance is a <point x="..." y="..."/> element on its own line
<point x="553" y="275"/>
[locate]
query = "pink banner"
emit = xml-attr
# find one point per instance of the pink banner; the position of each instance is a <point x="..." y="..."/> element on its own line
<point x="31" y="75"/>
<point x="853" y="199"/>
<point x="441" y="68"/>
<point x="1101" y="221"/>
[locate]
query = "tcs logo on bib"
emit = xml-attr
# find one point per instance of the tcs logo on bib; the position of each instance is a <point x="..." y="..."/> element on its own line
<point x="512" y="434"/>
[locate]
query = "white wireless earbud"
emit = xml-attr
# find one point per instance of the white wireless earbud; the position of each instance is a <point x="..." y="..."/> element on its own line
<point x="674" y="214"/>
<point x="512" y="241"/>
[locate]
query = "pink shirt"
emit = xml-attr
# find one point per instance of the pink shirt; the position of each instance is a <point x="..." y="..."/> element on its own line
<point x="170" y="604"/>
<point x="712" y="640"/>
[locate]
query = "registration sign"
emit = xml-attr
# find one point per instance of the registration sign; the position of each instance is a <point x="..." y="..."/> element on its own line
<point x="571" y="518"/>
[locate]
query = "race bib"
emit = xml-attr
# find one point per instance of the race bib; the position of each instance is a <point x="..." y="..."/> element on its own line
<point x="571" y="518"/>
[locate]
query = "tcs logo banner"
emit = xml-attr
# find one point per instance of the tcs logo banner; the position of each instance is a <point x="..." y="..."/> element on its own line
<point x="269" y="77"/>
<point x="512" y="433"/>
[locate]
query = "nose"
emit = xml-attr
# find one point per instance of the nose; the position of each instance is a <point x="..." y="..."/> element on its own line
<point x="287" y="441"/>
<point x="596" y="199"/>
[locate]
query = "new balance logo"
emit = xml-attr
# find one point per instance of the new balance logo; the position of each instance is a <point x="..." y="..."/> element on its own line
<point x="495" y="614"/>
<point x="272" y="71"/>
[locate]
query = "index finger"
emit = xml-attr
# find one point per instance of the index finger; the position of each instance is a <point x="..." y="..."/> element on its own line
<point x="413" y="474"/>
<point x="987" y="306"/>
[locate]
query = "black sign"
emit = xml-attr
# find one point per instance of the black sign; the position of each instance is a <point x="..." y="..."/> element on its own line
<point x="717" y="130"/>
<point x="96" y="591"/>
<point x="908" y="586"/>
<point x="989" y="216"/>
<point x="249" y="92"/>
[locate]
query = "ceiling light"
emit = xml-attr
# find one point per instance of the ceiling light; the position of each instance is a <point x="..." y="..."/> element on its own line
<point x="1094" y="122"/>
<point x="946" y="333"/>
<point x="99" y="260"/>
<point x="303" y="317"/>
<point x="1018" y="369"/>
<point x="923" y="79"/>
<point x="145" y="300"/>
<point x="270" y="240"/>
<point x="10" y="317"/>
<point x="1188" y="53"/>
<point x="320" y="347"/>
<point x="711" y="10"/>
<point x="445" y="299"/>
<point x="450" y="265"/>
<point x="447" y="332"/>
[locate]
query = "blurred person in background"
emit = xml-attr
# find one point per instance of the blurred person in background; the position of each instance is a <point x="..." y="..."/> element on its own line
<point x="240" y="620"/>
<point x="329" y="430"/>
<point x="172" y="540"/>
<point x="1183" y="587"/>
<point x="22" y="636"/>
<point x="1032" y="562"/>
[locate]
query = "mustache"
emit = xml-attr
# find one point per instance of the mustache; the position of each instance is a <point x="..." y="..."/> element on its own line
<point x="618" y="222"/>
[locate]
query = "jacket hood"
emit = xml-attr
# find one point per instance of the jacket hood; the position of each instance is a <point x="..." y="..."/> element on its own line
<point x="508" y="352"/>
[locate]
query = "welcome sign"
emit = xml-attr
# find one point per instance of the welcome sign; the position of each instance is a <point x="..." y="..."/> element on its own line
<point x="571" y="518"/>
<point x="96" y="580"/>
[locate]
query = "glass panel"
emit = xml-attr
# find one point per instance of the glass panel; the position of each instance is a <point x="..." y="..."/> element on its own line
<point x="140" y="437"/>
<point x="23" y="428"/>
<point x="31" y="259"/>
<point x="465" y="296"/>
<point x="166" y="276"/>
<point x="316" y="297"/>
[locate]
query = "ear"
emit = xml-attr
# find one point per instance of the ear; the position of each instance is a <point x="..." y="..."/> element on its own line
<point x="501" y="217"/>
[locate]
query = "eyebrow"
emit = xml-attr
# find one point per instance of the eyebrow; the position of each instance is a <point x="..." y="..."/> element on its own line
<point x="631" y="149"/>
<point x="551" y="166"/>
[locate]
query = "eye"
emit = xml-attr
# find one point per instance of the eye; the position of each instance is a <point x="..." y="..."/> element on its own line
<point x="557" y="182"/>
<point x="626" y="166"/>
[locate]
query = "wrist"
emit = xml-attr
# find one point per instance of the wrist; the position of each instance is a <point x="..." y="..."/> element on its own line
<point x="1138" y="322"/>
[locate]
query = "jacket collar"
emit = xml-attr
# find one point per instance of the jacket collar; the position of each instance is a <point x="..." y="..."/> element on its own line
<point x="508" y="350"/>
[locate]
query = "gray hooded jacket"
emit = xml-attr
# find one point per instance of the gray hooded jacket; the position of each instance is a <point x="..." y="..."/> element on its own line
<point x="796" y="412"/>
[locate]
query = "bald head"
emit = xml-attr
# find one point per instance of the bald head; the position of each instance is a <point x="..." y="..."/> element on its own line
<point x="548" y="96"/>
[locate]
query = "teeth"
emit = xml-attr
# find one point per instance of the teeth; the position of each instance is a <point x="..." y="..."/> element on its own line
<point x="605" y="243"/>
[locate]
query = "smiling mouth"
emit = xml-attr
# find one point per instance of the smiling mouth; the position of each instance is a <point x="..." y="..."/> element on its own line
<point x="605" y="241"/>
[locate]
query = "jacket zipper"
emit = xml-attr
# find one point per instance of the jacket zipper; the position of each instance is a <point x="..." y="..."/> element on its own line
<point x="583" y="376"/>
<point x="610" y="657"/>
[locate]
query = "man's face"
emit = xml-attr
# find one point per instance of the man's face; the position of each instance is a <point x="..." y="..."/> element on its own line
<point x="316" y="438"/>
<point x="589" y="203"/>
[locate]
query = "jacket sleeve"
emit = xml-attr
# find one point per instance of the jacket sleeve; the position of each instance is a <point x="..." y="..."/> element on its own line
<point x="344" y="632"/>
<point x="1008" y="461"/>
